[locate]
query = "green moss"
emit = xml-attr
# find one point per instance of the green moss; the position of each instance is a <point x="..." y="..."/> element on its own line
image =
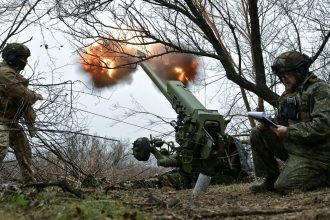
<point x="62" y="206"/>
<point x="94" y="209"/>
<point x="18" y="200"/>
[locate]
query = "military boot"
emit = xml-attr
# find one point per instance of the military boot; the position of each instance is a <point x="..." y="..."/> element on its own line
<point x="266" y="186"/>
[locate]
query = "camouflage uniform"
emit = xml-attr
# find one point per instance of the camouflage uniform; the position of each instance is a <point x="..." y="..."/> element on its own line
<point x="15" y="103"/>
<point x="306" y="151"/>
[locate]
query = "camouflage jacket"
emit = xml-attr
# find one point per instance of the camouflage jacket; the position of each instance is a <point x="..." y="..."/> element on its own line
<point x="15" y="98"/>
<point x="306" y="112"/>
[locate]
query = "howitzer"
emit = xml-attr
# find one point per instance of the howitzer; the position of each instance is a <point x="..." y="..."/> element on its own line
<point x="204" y="147"/>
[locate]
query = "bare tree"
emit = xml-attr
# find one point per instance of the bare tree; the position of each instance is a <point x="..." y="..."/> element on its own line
<point x="238" y="39"/>
<point x="243" y="35"/>
<point x="59" y="120"/>
<point x="79" y="156"/>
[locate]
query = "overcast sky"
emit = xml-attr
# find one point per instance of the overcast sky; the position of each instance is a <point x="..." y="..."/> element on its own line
<point x="141" y="89"/>
<point x="59" y="63"/>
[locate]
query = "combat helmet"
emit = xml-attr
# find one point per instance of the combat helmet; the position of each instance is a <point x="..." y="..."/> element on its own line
<point x="293" y="62"/>
<point x="13" y="53"/>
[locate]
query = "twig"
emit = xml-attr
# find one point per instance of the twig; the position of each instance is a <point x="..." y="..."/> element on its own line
<point x="247" y="213"/>
<point x="156" y="201"/>
<point x="63" y="184"/>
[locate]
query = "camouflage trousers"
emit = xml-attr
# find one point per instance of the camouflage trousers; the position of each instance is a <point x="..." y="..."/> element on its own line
<point x="17" y="140"/>
<point x="297" y="172"/>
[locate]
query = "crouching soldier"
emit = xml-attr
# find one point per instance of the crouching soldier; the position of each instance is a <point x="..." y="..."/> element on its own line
<point x="302" y="139"/>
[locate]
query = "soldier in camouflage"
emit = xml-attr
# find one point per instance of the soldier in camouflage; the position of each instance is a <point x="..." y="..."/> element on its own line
<point x="16" y="102"/>
<point x="302" y="139"/>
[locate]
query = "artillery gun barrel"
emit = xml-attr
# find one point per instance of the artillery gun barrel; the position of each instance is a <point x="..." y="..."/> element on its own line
<point x="200" y="133"/>
<point x="153" y="76"/>
<point x="177" y="94"/>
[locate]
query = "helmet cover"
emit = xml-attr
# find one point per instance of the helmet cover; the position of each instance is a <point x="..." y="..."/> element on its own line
<point x="14" y="54"/>
<point x="291" y="61"/>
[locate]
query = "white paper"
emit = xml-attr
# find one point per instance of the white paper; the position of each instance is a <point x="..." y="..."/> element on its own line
<point x="262" y="117"/>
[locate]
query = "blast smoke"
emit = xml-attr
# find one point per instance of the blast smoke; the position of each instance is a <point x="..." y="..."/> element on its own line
<point x="108" y="63"/>
<point x="175" y="66"/>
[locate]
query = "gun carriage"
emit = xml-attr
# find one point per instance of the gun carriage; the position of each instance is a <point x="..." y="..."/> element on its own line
<point x="204" y="147"/>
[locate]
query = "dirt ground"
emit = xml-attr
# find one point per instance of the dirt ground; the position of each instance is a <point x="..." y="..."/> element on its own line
<point x="218" y="202"/>
<point x="234" y="202"/>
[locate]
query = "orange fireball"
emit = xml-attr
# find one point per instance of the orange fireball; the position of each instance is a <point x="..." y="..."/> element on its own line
<point x="176" y="66"/>
<point x="108" y="65"/>
<point x="181" y="74"/>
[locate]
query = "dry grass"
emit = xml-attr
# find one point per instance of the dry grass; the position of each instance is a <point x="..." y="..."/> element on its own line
<point x="219" y="202"/>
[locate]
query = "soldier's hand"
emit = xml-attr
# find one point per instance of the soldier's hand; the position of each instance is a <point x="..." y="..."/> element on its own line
<point x="281" y="132"/>
<point x="38" y="96"/>
<point x="262" y="126"/>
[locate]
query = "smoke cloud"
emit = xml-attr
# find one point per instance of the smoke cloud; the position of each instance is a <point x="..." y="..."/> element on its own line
<point x="110" y="63"/>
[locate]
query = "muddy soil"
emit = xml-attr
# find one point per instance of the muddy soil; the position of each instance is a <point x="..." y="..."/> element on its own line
<point x="218" y="202"/>
<point x="231" y="202"/>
